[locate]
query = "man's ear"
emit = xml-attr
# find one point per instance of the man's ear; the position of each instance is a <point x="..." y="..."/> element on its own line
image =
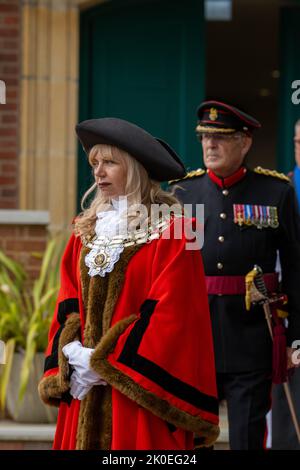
<point x="247" y="142"/>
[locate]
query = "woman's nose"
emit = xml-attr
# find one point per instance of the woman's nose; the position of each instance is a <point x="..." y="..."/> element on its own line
<point x="100" y="170"/>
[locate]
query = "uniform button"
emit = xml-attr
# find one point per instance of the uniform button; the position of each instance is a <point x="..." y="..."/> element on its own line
<point x="223" y="215"/>
<point x="221" y="239"/>
<point x="220" y="266"/>
<point x="225" y="192"/>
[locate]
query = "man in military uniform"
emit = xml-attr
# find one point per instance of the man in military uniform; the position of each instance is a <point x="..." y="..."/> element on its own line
<point x="248" y="216"/>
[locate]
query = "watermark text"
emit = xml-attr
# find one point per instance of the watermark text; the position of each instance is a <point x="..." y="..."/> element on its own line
<point x="296" y="93"/>
<point x="2" y="92"/>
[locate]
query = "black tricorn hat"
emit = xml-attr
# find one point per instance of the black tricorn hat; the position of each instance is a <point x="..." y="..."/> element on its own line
<point x="157" y="157"/>
<point x="216" y="116"/>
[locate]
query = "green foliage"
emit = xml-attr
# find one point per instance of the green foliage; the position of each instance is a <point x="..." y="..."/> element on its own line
<point x="26" y="310"/>
<point x="4" y="378"/>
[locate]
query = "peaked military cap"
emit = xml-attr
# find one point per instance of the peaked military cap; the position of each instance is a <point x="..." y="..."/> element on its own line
<point x="215" y="116"/>
<point x="157" y="157"/>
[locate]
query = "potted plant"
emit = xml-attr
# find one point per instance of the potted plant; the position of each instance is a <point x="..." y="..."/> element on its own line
<point x="26" y="311"/>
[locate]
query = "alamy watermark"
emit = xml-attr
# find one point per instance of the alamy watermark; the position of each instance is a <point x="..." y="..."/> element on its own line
<point x="296" y="94"/>
<point x="2" y="92"/>
<point x="135" y="218"/>
<point x="2" y="352"/>
<point x="296" y="353"/>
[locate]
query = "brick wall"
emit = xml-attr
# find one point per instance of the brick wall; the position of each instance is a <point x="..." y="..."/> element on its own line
<point x="16" y="240"/>
<point x="23" y="233"/>
<point x="20" y="241"/>
<point x="10" y="27"/>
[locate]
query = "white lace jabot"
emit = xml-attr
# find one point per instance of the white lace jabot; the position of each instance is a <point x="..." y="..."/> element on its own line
<point x="102" y="257"/>
<point x="109" y="222"/>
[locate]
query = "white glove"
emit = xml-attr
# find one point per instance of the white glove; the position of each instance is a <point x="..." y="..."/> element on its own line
<point x="83" y="376"/>
<point x="77" y="390"/>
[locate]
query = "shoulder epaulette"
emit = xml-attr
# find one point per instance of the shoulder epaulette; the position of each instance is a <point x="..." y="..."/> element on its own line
<point x="190" y="174"/>
<point x="274" y="173"/>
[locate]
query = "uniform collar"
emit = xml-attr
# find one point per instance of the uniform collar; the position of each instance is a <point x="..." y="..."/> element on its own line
<point x="230" y="180"/>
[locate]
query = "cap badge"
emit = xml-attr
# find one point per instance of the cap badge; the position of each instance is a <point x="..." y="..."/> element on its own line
<point x="213" y="114"/>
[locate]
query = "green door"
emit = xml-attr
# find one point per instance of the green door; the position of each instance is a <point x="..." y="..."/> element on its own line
<point x="144" y="61"/>
<point x="289" y="112"/>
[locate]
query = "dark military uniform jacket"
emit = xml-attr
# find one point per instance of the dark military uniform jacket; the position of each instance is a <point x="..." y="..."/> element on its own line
<point x="241" y="338"/>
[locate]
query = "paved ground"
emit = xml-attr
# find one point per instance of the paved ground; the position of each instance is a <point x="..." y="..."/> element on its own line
<point x="18" y="436"/>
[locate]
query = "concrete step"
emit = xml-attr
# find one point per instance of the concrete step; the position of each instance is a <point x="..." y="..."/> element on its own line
<point x="19" y="436"/>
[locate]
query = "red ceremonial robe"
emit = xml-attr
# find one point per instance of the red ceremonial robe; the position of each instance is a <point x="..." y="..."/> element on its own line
<point x="149" y="323"/>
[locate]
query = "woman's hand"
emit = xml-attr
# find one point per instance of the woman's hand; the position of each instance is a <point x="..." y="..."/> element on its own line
<point x="83" y="378"/>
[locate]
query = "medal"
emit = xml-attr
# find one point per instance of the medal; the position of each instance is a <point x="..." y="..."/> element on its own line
<point x="260" y="216"/>
<point x="257" y="217"/>
<point x="274" y="217"/>
<point x="264" y="221"/>
<point x="248" y="220"/>
<point x="238" y="214"/>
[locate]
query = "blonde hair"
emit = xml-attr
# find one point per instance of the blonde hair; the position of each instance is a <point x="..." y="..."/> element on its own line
<point x="139" y="189"/>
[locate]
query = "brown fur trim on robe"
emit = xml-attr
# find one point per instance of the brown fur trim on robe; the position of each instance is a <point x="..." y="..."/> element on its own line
<point x="100" y="295"/>
<point x="158" y="406"/>
<point x="52" y="387"/>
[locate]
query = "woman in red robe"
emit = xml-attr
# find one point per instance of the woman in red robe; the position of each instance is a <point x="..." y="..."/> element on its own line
<point x="130" y="359"/>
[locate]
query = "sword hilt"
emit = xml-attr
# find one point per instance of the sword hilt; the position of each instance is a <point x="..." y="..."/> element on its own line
<point x="259" y="281"/>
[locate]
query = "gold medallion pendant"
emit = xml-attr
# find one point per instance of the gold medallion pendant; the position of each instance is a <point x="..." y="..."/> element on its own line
<point x="102" y="258"/>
